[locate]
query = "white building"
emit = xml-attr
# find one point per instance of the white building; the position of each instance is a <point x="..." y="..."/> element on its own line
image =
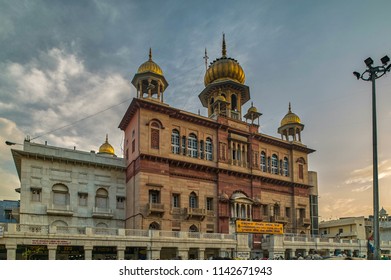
<point x="65" y="187"/>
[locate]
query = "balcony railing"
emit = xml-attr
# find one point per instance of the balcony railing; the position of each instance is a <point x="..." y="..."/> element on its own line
<point x="44" y="230"/>
<point x="196" y="212"/>
<point x="155" y="208"/>
<point x="304" y="222"/>
<point x="105" y="213"/>
<point x="61" y="210"/>
<point x="279" y="219"/>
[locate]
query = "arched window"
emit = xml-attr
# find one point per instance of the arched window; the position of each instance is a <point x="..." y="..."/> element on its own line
<point x="59" y="224"/>
<point x="193" y="228"/>
<point x="101" y="225"/>
<point x="212" y="100"/>
<point x="274" y="164"/>
<point x="175" y="141"/>
<point x="285" y="168"/>
<point x="155" y="135"/>
<point x="193" y="200"/>
<point x="263" y="161"/>
<point x="208" y="149"/>
<point x="154" y="226"/>
<point x="234" y="102"/>
<point x="192" y="146"/>
<point x="60" y="194"/>
<point x="102" y="198"/>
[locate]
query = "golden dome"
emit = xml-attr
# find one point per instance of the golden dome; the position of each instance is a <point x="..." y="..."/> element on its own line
<point x="224" y="68"/>
<point x="290" y="118"/>
<point x="252" y="109"/>
<point x="150" y="66"/>
<point x="106" y="148"/>
<point x="221" y="98"/>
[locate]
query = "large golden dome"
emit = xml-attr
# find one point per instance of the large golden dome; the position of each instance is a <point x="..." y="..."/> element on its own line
<point x="224" y="68"/>
<point x="150" y="66"/>
<point x="290" y="118"/>
<point x="106" y="148"/>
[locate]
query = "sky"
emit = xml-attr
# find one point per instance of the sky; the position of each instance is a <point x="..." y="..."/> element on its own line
<point x="66" y="67"/>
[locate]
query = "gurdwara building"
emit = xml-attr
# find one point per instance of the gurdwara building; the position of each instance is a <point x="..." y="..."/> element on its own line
<point x="183" y="181"/>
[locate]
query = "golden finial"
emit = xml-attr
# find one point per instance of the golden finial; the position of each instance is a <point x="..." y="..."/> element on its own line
<point x="150" y="54"/>
<point x="224" y="48"/>
<point x="289" y="109"/>
<point x="107" y="138"/>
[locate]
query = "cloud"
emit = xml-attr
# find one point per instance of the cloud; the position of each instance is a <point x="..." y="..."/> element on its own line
<point x="364" y="175"/>
<point x="9" y="179"/>
<point x="55" y="89"/>
<point x="55" y="98"/>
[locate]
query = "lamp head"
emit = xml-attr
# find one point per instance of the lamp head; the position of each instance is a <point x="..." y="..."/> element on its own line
<point x="385" y="60"/>
<point x="368" y="61"/>
<point x="357" y="75"/>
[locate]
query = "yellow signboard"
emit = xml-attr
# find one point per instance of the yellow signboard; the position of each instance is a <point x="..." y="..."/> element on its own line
<point x="259" y="227"/>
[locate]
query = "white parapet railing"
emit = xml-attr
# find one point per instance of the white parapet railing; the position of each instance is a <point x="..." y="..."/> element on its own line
<point x="126" y="233"/>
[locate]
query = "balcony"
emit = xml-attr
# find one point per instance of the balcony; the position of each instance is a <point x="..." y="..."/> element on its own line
<point x="198" y="213"/>
<point x="59" y="210"/>
<point x="155" y="208"/>
<point x="304" y="222"/>
<point x="265" y="218"/>
<point x="104" y="213"/>
<point x="279" y="219"/>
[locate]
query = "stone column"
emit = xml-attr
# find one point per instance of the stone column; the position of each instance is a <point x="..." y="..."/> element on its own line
<point x="52" y="251"/>
<point x="11" y="251"/>
<point x="183" y="253"/>
<point x="120" y="252"/>
<point x="158" y="90"/>
<point x="201" y="253"/>
<point x="149" y="90"/>
<point x="88" y="252"/>
<point x="153" y="253"/>
<point x="245" y="156"/>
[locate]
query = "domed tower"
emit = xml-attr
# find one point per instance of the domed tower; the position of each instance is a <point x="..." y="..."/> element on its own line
<point x="252" y="114"/>
<point x="106" y="148"/>
<point x="224" y="78"/>
<point x="291" y="126"/>
<point x="149" y="80"/>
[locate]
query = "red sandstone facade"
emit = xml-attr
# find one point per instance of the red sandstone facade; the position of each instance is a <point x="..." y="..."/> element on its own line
<point x="187" y="172"/>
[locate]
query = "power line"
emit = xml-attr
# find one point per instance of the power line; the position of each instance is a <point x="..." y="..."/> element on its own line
<point x="90" y="116"/>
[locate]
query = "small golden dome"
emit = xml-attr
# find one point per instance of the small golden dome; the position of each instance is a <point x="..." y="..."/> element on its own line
<point x="106" y="148"/>
<point x="150" y="66"/>
<point x="252" y="109"/>
<point x="290" y="118"/>
<point x="224" y="68"/>
<point x="221" y="98"/>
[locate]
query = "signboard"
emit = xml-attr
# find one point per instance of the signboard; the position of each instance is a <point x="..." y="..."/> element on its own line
<point x="259" y="227"/>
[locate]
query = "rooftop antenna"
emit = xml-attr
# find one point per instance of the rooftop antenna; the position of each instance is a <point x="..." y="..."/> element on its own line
<point x="206" y="60"/>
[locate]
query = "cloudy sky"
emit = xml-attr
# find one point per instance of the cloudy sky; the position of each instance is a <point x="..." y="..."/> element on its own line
<point x="66" y="66"/>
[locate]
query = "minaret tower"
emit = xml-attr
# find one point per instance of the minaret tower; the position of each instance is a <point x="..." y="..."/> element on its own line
<point x="225" y="92"/>
<point x="149" y="81"/>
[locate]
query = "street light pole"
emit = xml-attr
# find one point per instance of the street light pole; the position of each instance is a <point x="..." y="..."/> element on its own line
<point x="371" y="74"/>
